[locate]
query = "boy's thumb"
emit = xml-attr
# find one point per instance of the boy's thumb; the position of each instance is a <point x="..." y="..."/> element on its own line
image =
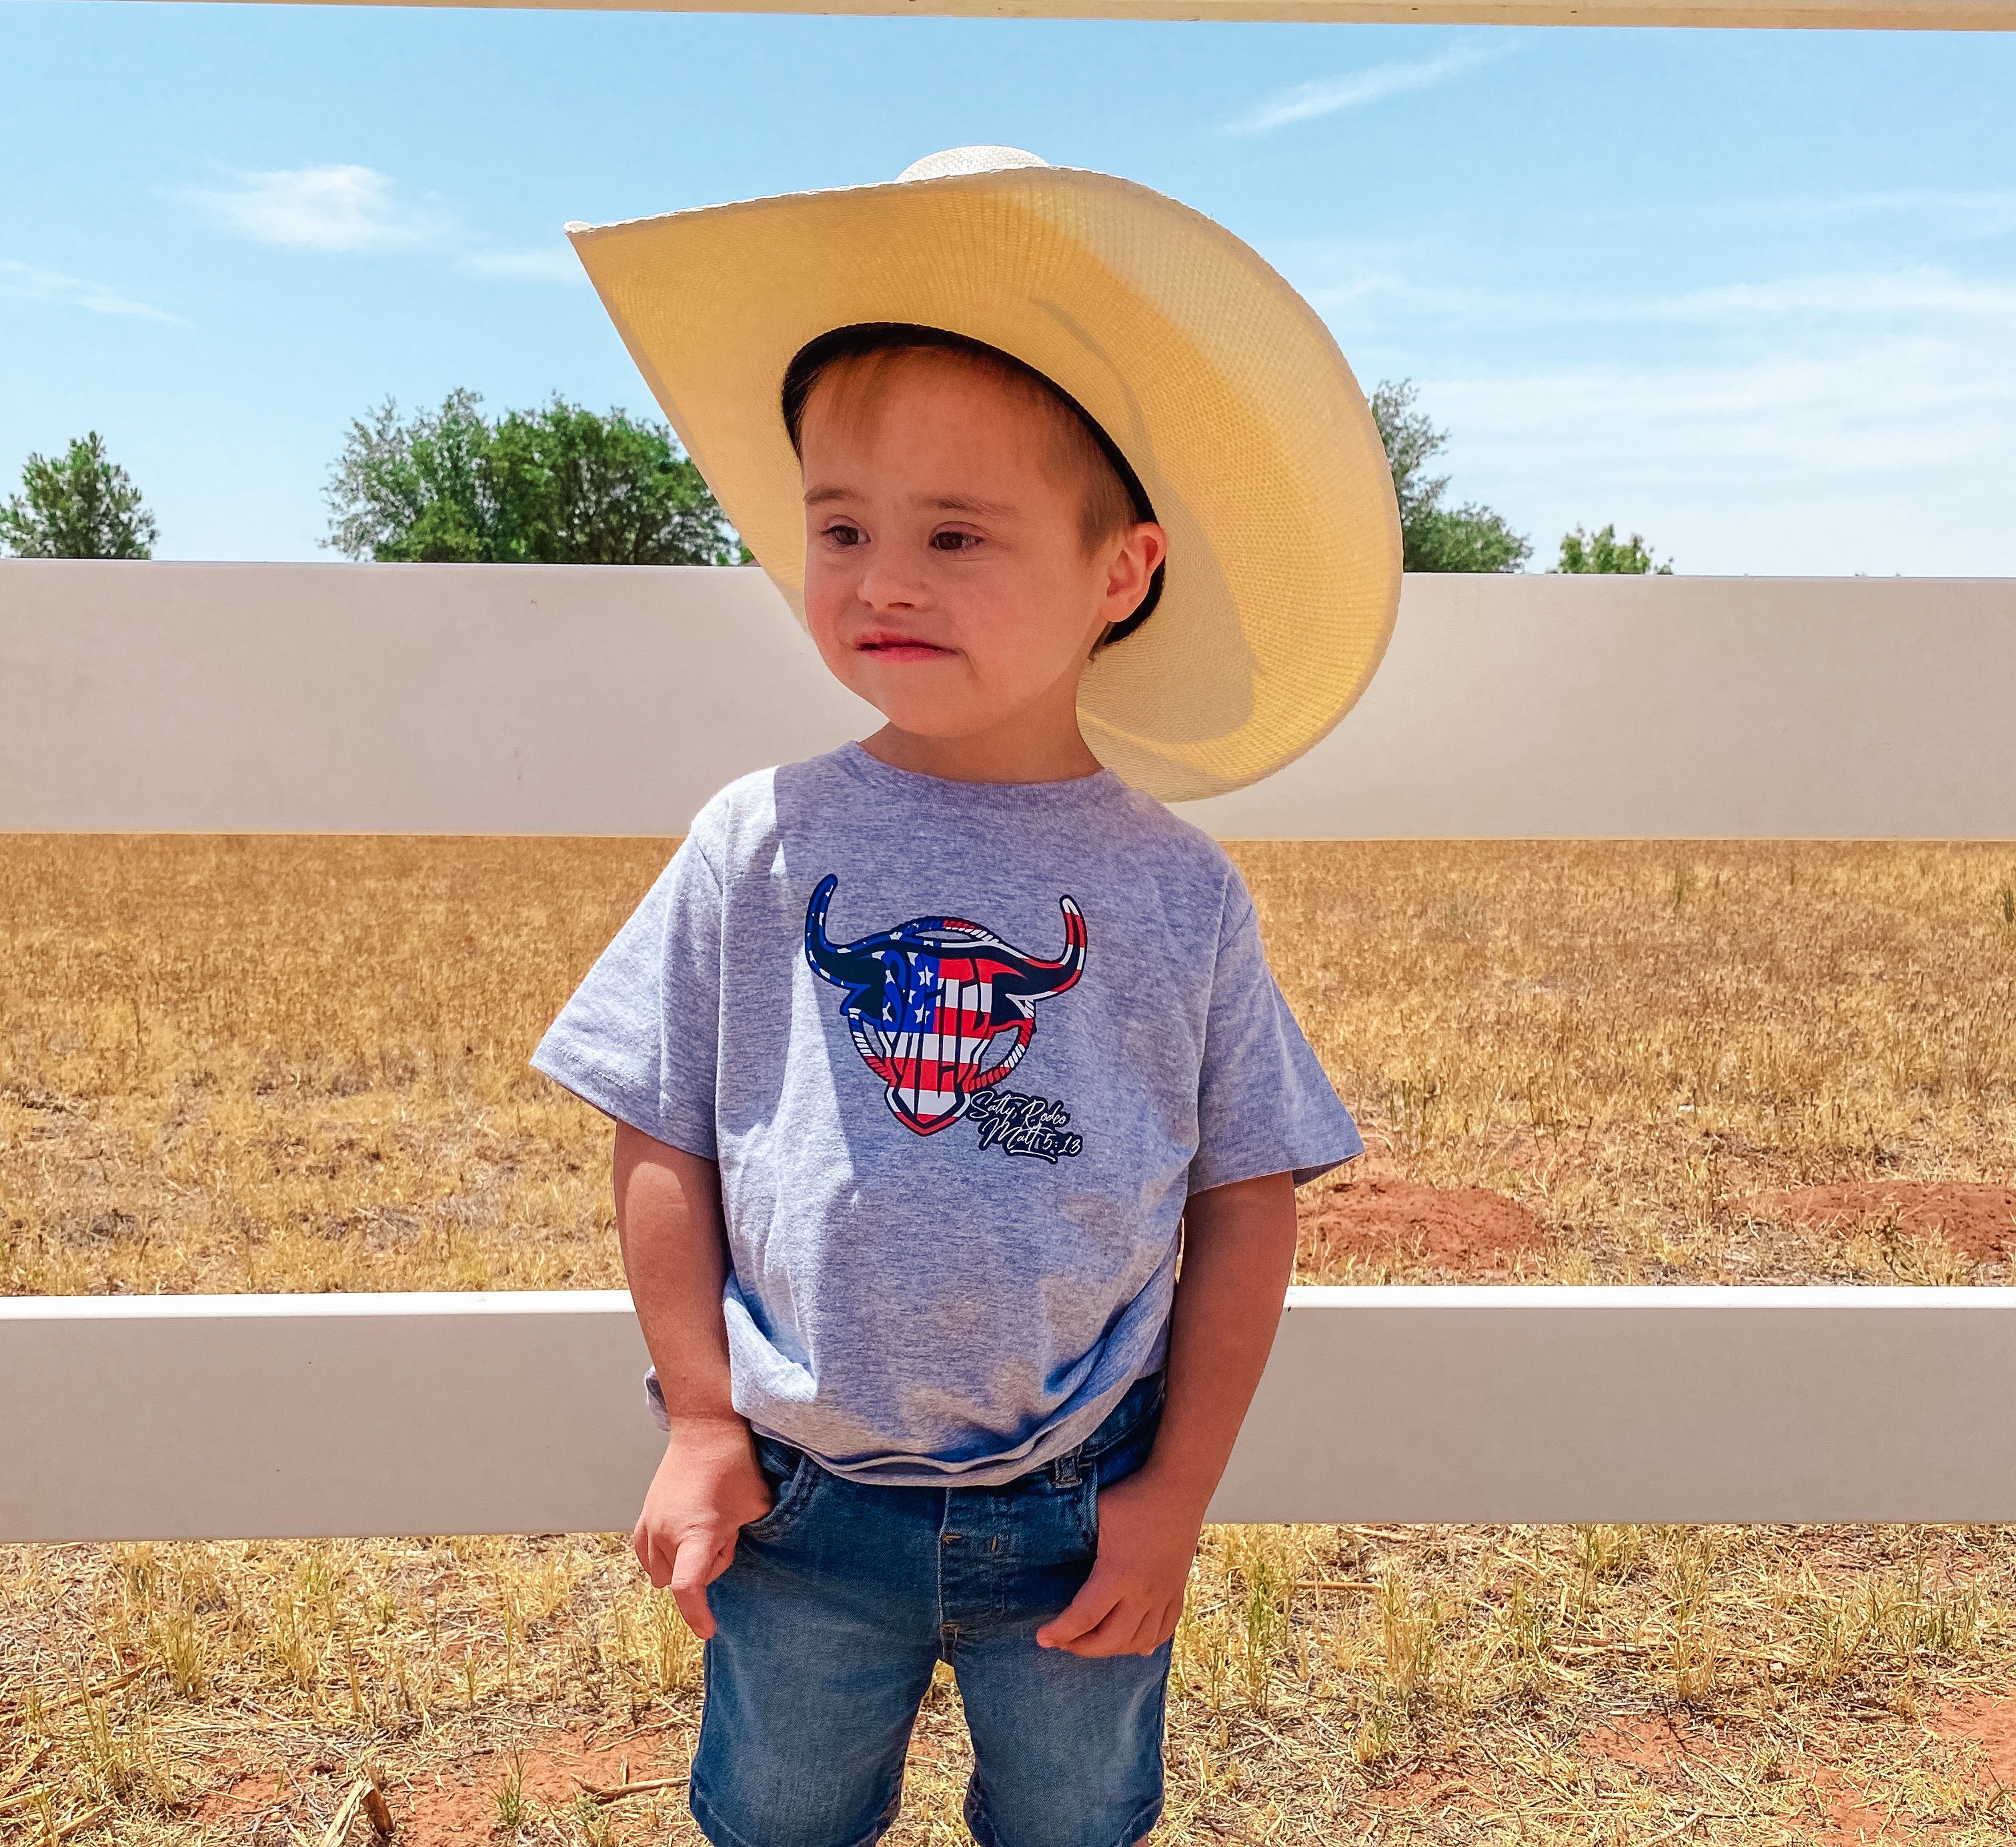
<point x="1083" y="1614"/>
<point x="693" y="1570"/>
<point x="691" y="1562"/>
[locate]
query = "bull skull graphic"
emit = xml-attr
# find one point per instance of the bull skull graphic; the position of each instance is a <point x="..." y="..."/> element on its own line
<point x="927" y="1001"/>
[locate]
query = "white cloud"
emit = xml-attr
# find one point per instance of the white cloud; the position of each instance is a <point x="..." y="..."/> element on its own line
<point x="1945" y="215"/>
<point x="1965" y="214"/>
<point x="1331" y="95"/>
<point x="1969" y="216"/>
<point x="1857" y="453"/>
<point x="347" y="210"/>
<point x="1828" y="422"/>
<point x="543" y="263"/>
<point x="1420" y="297"/>
<point x="1923" y="295"/>
<point x="1922" y="292"/>
<point x="343" y="209"/>
<point x="23" y="281"/>
<point x="1864" y="408"/>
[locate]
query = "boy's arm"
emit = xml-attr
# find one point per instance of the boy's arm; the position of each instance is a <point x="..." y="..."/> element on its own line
<point x="1238" y="1251"/>
<point x="674" y="1249"/>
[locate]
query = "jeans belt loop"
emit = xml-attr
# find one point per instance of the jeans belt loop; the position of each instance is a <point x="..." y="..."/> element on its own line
<point x="1063" y="1471"/>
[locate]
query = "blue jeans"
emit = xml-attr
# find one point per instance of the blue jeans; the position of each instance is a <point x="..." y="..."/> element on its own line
<point x="842" y="1599"/>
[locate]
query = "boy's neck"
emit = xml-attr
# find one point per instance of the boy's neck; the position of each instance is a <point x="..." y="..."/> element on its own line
<point x="1018" y="752"/>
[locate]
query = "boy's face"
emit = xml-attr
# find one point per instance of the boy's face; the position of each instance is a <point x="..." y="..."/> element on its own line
<point x="947" y="582"/>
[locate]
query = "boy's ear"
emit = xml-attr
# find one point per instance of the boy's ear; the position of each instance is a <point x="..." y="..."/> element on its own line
<point x="1129" y="573"/>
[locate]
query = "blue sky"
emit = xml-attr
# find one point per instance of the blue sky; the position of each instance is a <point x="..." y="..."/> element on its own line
<point x="1753" y="294"/>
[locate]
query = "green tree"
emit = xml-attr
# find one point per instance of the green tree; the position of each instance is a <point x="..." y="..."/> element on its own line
<point x="559" y="485"/>
<point x="1586" y="552"/>
<point x="1434" y="537"/>
<point x="84" y="506"/>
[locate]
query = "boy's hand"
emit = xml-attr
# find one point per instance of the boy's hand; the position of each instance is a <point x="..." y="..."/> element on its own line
<point x="706" y="1490"/>
<point x="1148" y="1534"/>
<point x="1239" y="1246"/>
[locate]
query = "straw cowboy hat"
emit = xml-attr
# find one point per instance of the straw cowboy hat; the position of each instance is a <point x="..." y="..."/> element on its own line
<point x="1214" y="379"/>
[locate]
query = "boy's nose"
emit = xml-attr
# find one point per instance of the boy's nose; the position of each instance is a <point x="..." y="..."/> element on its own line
<point x="884" y="587"/>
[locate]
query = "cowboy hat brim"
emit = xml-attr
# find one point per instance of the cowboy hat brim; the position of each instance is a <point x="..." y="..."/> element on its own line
<point x="1216" y="380"/>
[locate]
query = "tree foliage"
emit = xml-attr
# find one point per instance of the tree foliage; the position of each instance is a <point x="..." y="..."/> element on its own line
<point x="1603" y="552"/>
<point x="1436" y="537"/>
<point x="84" y="505"/>
<point x="559" y="485"/>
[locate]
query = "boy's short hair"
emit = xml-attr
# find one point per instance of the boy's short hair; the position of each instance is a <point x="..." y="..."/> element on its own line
<point x="865" y="356"/>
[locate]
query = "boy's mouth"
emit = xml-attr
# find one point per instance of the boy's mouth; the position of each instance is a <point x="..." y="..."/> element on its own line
<point x="887" y="644"/>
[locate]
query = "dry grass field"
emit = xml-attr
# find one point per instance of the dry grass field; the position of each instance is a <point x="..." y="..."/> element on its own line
<point x="298" y="1064"/>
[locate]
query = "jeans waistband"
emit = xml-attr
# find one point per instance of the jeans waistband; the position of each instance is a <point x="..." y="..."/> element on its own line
<point x="1141" y="1400"/>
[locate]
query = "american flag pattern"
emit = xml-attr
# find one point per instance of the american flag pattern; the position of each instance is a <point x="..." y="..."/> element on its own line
<point x="929" y="1003"/>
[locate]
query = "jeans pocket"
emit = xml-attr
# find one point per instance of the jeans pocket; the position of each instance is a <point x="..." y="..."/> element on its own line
<point x="1129" y="1449"/>
<point x="793" y="1492"/>
<point x="1115" y="1464"/>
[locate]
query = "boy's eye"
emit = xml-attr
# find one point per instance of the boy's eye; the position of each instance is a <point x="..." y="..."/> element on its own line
<point x="954" y="541"/>
<point x="843" y="535"/>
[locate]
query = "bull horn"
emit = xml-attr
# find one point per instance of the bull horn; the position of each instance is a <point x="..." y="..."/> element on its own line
<point x="1031" y="972"/>
<point x="824" y="956"/>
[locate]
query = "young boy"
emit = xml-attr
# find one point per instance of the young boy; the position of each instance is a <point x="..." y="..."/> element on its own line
<point x="927" y="1057"/>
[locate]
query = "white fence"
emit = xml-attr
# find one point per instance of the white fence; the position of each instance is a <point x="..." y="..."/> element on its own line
<point x="529" y="700"/>
<point x="424" y="698"/>
<point x="179" y="1417"/>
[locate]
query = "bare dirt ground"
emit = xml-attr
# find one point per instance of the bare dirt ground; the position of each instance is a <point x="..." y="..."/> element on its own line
<point x="1376" y="1218"/>
<point x="298" y="1064"/>
<point x="1978" y="1221"/>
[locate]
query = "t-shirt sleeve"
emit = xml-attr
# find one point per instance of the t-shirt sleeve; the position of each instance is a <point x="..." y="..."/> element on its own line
<point x="1264" y="1105"/>
<point x="639" y="1039"/>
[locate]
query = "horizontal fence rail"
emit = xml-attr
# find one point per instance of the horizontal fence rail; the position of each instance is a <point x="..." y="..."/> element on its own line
<point x="527" y="699"/>
<point x="250" y="1417"/>
<point x="1944" y="15"/>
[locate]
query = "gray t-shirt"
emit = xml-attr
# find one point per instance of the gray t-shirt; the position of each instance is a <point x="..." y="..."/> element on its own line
<point x="962" y="1051"/>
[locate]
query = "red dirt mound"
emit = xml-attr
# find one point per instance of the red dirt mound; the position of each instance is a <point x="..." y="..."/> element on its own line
<point x="1645" y="1741"/>
<point x="1382" y="1219"/>
<point x="1990" y="1722"/>
<point x="1840" y="1812"/>
<point x="1979" y="1221"/>
<point x="242" y="1797"/>
<point x="1440" y="1789"/>
<point x="465" y="1808"/>
<point x="445" y="1810"/>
